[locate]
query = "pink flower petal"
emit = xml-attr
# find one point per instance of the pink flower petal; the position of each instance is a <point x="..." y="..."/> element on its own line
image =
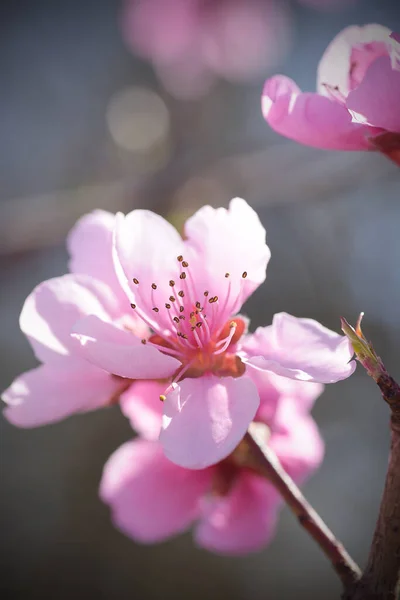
<point x="141" y="404"/>
<point x="377" y="97"/>
<point x="55" y="306"/>
<point x="90" y="246"/>
<point x="244" y="521"/>
<point x="301" y="349"/>
<point x="348" y="56"/>
<point x="296" y="440"/>
<point x="48" y="394"/>
<point x="310" y="119"/>
<point x="205" y="419"/>
<point x="150" y="497"/>
<point x="120" y="352"/>
<point x="227" y="241"/>
<point x="147" y="248"/>
<point x="275" y="390"/>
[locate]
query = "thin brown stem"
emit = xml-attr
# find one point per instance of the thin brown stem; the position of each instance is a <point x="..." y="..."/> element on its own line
<point x="380" y="579"/>
<point x="264" y="460"/>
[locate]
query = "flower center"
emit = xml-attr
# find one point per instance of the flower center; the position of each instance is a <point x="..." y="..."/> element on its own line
<point x="191" y="326"/>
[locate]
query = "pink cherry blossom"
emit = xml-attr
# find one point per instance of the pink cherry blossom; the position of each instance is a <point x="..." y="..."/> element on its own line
<point x="190" y="42"/>
<point x="233" y="510"/>
<point x="356" y="104"/>
<point x="65" y="383"/>
<point x="189" y="293"/>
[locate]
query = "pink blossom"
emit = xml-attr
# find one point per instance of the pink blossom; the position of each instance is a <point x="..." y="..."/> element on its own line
<point x="66" y="383"/>
<point x="146" y="313"/>
<point x="189" y="293"/>
<point x="190" y="42"/>
<point x="356" y="106"/>
<point x="233" y="509"/>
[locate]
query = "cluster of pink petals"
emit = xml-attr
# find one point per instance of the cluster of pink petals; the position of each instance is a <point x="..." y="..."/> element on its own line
<point x="357" y="101"/>
<point x="191" y="41"/>
<point x="66" y="383"/>
<point x="148" y="313"/>
<point x="233" y="509"/>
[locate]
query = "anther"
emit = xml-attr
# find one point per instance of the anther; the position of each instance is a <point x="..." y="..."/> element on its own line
<point x="185" y="264"/>
<point x="182" y="317"/>
<point x="244" y="274"/>
<point x="198" y="305"/>
<point x="135" y="281"/>
<point x="144" y="341"/>
<point x="206" y="293"/>
<point x="227" y="275"/>
<point x="181" y="308"/>
<point x="182" y="276"/>
<point x="163" y="398"/>
<point x="191" y="314"/>
<point x="176" y="319"/>
<point x="181" y="293"/>
<point x="153" y="285"/>
<point x="156" y="309"/>
<point x="172" y="299"/>
<point x="199" y="324"/>
<point x="180" y="258"/>
<point x="133" y="306"/>
<point x="167" y="305"/>
<point x="171" y="282"/>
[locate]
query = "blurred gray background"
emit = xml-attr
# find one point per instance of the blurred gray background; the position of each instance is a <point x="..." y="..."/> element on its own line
<point x="84" y="123"/>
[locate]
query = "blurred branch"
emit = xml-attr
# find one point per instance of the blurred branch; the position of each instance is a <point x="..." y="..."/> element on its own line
<point x="38" y="221"/>
<point x="265" y="462"/>
<point x="380" y="580"/>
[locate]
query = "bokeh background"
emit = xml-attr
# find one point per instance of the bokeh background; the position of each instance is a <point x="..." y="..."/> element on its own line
<point x="91" y="115"/>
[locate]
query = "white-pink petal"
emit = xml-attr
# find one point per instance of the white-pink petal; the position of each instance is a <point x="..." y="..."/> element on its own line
<point x="227" y="241"/>
<point x="90" y="245"/>
<point x="55" y="306"/>
<point x="120" y="352"/>
<point x="205" y="418"/>
<point x="150" y="497"/>
<point x="335" y="67"/>
<point x="300" y="349"/>
<point x="50" y="393"/>
<point x="146" y="248"/>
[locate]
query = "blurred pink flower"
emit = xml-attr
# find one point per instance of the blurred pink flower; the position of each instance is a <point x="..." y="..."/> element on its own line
<point x="189" y="291"/>
<point x="234" y="510"/>
<point x="191" y="41"/>
<point x="356" y="106"/>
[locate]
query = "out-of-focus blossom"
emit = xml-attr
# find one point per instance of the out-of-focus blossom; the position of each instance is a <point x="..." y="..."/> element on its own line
<point x="189" y="291"/>
<point x="65" y="383"/>
<point x="234" y="510"/>
<point x="189" y="42"/>
<point x="356" y="106"/>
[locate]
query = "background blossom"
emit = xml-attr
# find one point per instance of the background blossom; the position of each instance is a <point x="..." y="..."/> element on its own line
<point x="358" y="85"/>
<point x="233" y="509"/>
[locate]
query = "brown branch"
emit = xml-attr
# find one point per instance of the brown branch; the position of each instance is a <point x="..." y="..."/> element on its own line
<point x="264" y="461"/>
<point x="380" y="580"/>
